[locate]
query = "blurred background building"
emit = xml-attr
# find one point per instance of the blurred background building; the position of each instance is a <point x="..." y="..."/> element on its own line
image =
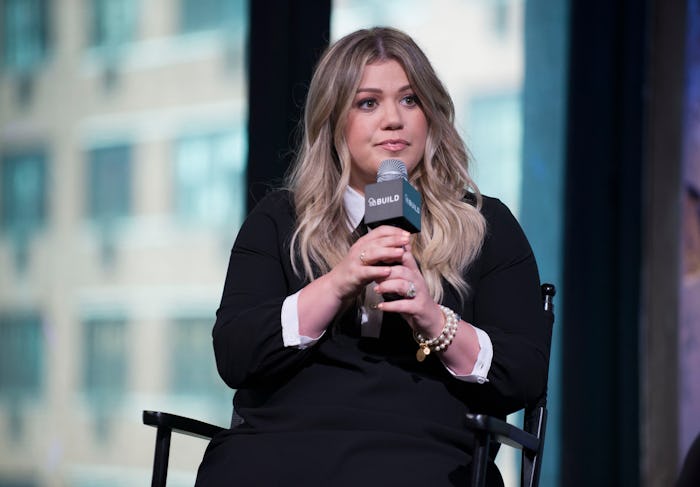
<point x="122" y="172"/>
<point x="125" y="175"/>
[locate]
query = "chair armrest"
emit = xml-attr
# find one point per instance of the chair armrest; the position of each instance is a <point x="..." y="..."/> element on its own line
<point x="181" y="424"/>
<point x="503" y="432"/>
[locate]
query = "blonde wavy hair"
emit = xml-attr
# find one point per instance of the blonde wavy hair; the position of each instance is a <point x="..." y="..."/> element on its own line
<point x="452" y="229"/>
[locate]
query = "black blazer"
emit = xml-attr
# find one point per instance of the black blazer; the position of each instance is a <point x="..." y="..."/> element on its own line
<point x="346" y="383"/>
<point x="504" y="301"/>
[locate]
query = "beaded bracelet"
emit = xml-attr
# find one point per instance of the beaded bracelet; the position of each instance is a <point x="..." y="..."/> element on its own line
<point x="440" y="342"/>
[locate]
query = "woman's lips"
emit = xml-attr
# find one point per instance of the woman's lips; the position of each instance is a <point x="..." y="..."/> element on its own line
<point x="393" y="145"/>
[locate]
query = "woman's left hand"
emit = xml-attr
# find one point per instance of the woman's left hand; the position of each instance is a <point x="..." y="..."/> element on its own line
<point x="420" y="311"/>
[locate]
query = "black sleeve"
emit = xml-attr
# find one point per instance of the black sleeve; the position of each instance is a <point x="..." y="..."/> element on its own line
<point x="248" y="332"/>
<point x="508" y="306"/>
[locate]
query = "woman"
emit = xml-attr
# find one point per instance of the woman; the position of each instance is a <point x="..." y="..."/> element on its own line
<point x="336" y="386"/>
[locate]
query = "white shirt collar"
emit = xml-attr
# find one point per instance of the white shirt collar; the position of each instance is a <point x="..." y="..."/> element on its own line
<point x="354" y="206"/>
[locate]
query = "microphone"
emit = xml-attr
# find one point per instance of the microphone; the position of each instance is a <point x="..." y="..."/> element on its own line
<point x="392" y="200"/>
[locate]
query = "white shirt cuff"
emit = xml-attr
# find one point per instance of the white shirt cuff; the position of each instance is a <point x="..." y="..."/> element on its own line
<point x="290" y="325"/>
<point x="483" y="360"/>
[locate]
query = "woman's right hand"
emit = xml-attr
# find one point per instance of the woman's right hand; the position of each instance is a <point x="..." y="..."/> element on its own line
<point x="369" y="259"/>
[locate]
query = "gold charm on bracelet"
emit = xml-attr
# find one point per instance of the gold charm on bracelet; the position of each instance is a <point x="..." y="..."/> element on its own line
<point x="440" y="342"/>
<point x="423" y="351"/>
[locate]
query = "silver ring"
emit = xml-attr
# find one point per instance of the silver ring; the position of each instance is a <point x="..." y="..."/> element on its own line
<point x="362" y="258"/>
<point x="411" y="293"/>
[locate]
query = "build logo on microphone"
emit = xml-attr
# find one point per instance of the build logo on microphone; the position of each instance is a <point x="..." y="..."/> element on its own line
<point x="411" y="204"/>
<point x="372" y="202"/>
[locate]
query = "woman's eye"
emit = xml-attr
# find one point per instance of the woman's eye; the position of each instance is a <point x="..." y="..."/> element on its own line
<point x="367" y="103"/>
<point x="410" y="100"/>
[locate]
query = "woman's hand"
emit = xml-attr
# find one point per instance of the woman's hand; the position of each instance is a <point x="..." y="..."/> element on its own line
<point x="369" y="259"/>
<point x="384" y="256"/>
<point x="420" y="311"/>
<point x="424" y="315"/>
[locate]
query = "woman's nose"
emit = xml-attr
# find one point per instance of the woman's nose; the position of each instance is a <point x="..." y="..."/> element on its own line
<point x="392" y="118"/>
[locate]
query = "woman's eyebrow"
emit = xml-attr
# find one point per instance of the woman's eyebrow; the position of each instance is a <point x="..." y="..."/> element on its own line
<point x="378" y="90"/>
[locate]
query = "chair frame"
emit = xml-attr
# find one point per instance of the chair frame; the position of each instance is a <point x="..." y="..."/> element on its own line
<point x="165" y="424"/>
<point x="487" y="429"/>
<point x="529" y="439"/>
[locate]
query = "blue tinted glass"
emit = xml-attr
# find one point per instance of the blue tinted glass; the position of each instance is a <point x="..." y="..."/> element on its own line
<point x="495" y="125"/>
<point x="210" y="178"/>
<point x="25" y="23"/>
<point x="105" y="359"/>
<point x="110" y="182"/>
<point x="113" y="22"/>
<point x="23" y="196"/>
<point x="21" y="356"/>
<point x="209" y="14"/>
<point x="193" y="371"/>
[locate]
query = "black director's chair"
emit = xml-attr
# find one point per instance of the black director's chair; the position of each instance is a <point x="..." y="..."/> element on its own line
<point x="529" y="439"/>
<point x="487" y="429"/>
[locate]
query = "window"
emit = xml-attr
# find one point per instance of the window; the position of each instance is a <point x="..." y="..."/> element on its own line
<point x="192" y="360"/>
<point x="8" y="481"/>
<point x="25" y="33"/>
<point x="109" y="186"/>
<point x="113" y="22"/>
<point x="211" y="14"/>
<point x="21" y="354"/>
<point x="210" y="178"/>
<point x="23" y="192"/>
<point x="104" y="369"/>
<point x="22" y="201"/>
<point x="495" y="126"/>
<point x="500" y="12"/>
<point x="105" y="357"/>
<point x="21" y="365"/>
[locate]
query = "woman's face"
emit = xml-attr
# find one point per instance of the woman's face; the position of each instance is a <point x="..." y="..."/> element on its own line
<point x="385" y="121"/>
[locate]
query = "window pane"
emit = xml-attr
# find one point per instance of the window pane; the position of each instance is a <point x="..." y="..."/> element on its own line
<point x="192" y="359"/>
<point x="210" y="178"/>
<point x="495" y="124"/>
<point x="23" y="192"/>
<point x="104" y="369"/>
<point x="105" y="358"/>
<point x="113" y="22"/>
<point x="25" y="36"/>
<point x="21" y="356"/>
<point x="211" y="14"/>
<point x="110" y="182"/>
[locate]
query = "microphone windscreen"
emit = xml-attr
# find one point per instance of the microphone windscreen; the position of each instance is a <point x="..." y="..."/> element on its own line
<point x="390" y="169"/>
<point x="392" y="200"/>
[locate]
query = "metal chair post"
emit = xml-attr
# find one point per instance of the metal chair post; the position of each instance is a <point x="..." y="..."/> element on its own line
<point x="161" y="458"/>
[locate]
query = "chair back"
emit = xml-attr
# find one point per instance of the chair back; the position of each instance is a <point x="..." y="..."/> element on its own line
<point x="529" y="439"/>
<point x="535" y="420"/>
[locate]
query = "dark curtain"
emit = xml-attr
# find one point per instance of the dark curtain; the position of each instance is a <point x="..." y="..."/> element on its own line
<point x="602" y="243"/>
<point x="286" y="39"/>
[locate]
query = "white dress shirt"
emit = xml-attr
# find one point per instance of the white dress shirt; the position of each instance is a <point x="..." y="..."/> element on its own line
<point x="371" y="318"/>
